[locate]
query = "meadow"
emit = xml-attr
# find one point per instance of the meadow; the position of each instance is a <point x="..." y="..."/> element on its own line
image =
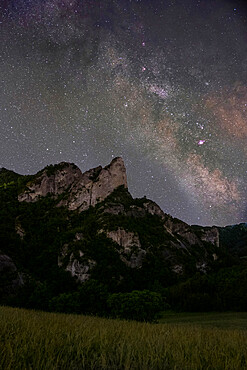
<point x="222" y="320"/>
<point x="40" y="340"/>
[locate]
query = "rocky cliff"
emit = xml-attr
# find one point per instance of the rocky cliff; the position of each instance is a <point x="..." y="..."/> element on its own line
<point x="80" y="190"/>
<point x="88" y="225"/>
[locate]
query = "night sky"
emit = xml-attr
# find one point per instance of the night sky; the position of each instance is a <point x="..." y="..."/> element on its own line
<point x="161" y="83"/>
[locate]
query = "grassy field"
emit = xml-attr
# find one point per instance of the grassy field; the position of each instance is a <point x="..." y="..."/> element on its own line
<point x="222" y="320"/>
<point x="38" y="340"/>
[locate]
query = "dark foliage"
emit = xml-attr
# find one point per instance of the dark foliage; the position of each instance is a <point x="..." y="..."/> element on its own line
<point x="136" y="305"/>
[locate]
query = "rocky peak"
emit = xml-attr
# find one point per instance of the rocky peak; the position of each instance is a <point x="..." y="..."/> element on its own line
<point x="52" y="179"/>
<point x="96" y="185"/>
<point x="83" y="189"/>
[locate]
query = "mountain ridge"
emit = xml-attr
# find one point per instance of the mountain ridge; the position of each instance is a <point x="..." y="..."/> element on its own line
<point x="86" y="226"/>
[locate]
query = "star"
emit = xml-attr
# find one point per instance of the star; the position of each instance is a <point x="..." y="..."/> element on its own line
<point x="201" y="142"/>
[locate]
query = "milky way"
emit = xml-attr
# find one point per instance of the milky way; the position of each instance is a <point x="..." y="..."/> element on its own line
<point x="161" y="83"/>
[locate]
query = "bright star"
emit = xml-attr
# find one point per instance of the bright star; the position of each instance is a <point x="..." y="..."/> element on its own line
<point x="201" y="142"/>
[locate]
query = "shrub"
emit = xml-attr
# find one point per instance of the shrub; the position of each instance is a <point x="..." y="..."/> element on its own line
<point x="137" y="305"/>
<point x="65" y="302"/>
<point x="91" y="298"/>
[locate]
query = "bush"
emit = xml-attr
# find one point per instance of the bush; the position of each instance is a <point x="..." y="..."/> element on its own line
<point x="91" y="298"/>
<point x="137" y="305"/>
<point x="65" y="302"/>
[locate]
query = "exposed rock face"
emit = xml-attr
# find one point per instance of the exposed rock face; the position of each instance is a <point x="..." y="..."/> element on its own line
<point x="79" y="270"/>
<point x="19" y="229"/>
<point x="153" y="208"/>
<point x="202" y="266"/>
<point x="191" y="240"/>
<point x="10" y="279"/>
<point x="183" y="230"/>
<point x="125" y="239"/>
<point x="114" y="209"/>
<point x="212" y="236"/>
<point x="178" y="269"/>
<point x="118" y="209"/>
<point x="193" y="237"/>
<point x="136" y="212"/>
<point x="83" y="190"/>
<point x="76" y="266"/>
<point x="132" y="253"/>
<point x="97" y="184"/>
<point x="65" y="174"/>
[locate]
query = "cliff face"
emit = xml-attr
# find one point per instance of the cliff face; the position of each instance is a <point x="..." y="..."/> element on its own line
<point x="82" y="189"/>
<point x="93" y="228"/>
<point x="78" y="191"/>
<point x="131" y="252"/>
<point x="96" y="185"/>
<point x="194" y="235"/>
<point x="54" y="180"/>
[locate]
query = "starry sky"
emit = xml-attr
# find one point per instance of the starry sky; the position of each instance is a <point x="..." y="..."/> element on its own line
<point x="161" y="83"/>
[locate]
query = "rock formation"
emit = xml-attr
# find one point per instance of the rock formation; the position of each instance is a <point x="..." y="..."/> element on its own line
<point x="81" y="190"/>
<point x="131" y="252"/>
<point x="136" y="231"/>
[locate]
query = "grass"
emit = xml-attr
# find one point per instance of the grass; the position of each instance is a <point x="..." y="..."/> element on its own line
<point x="222" y="320"/>
<point x="39" y="340"/>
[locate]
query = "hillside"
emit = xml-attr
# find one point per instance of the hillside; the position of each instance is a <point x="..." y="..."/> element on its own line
<point x="63" y="231"/>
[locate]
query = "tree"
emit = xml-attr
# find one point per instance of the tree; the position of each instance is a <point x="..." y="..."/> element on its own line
<point x="137" y="305"/>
